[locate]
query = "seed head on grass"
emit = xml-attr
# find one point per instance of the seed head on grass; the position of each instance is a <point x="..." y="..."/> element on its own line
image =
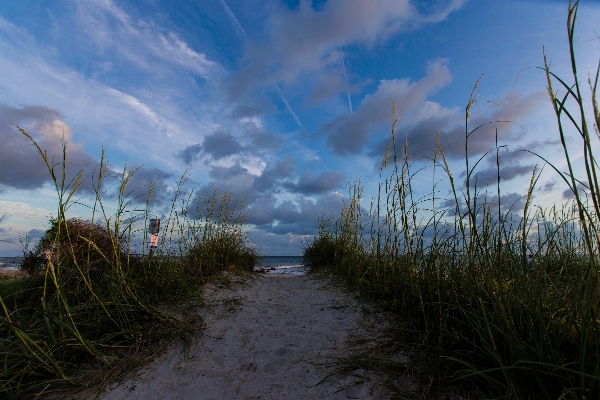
<point x="90" y="300"/>
<point x="505" y="304"/>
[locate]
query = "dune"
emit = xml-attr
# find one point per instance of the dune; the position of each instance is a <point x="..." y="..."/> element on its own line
<point x="267" y="339"/>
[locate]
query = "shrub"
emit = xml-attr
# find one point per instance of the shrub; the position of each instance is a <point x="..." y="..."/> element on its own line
<point x="90" y="301"/>
<point x="77" y="245"/>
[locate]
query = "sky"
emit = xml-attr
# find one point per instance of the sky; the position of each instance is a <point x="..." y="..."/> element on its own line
<point x="283" y="103"/>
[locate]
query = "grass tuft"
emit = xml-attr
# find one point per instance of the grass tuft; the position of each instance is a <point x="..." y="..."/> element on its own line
<point x="92" y="308"/>
<point x="506" y="301"/>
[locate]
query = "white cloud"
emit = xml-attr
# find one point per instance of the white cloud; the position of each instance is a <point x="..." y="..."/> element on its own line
<point x="108" y="26"/>
<point x="305" y="40"/>
<point x="254" y="165"/>
<point x="348" y="134"/>
<point x="135" y="104"/>
<point x="127" y="123"/>
<point x="18" y="209"/>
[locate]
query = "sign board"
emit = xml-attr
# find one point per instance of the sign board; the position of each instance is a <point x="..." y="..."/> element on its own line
<point x="153" y="241"/>
<point x="154" y="226"/>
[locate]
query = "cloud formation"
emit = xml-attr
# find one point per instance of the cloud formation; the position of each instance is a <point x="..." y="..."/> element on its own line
<point x="110" y="28"/>
<point x="21" y="166"/>
<point x="98" y="102"/>
<point x="511" y="201"/>
<point x="298" y="217"/>
<point x="582" y="190"/>
<point x="19" y="209"/>
<point x="219" y="144"/>
<point x="316" y="183"/>
<point x="188" y="85"/>
<point x="311" y="194"/>
<point x="503" y="114"/>
<point x="36" y="233"/>
<point x="489" y="176"/>
<point x="149" y="183"/>
<point x="272" y="175"/>
<point x="430" y="120"/>
<point x="190" y="153"/>
<point x="305" y="39"/>
<point x="350" y="133"/>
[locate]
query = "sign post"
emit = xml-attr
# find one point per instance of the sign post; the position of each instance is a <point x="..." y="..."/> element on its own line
<point x="153" y="242"/>
<point x="153" y="228"/>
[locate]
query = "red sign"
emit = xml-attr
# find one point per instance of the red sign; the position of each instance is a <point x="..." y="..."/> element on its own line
<point x="153" y="241"/>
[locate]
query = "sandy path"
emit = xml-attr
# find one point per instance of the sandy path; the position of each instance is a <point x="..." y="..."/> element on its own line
<point x="264" y="349"/>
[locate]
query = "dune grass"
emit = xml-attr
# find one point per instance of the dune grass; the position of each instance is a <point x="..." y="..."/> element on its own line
<point x="500" y="303"/>
<point x="11" y="285"/>
<point x="95" y="300"/>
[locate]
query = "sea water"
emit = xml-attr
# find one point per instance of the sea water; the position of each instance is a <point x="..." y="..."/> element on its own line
<point x="268" y="264"/>
<point x="291" y="265"/>
<point x="9" y="263"/>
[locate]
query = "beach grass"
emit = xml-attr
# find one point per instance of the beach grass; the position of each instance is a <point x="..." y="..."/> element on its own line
<point x="96" y="303"/>
<point x="493" y="303"/>
<point x="10" y="286"/>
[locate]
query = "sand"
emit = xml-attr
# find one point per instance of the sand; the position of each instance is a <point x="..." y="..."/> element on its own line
<point x="12" y="272"/>
<point x="262" y="341"/>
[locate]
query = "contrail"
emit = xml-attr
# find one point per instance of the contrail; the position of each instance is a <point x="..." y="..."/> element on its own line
<point x="289" y="108"/>
<point x="236" y="24"/>
<point x="242" y="35"/>
<point x="347" y="86"/>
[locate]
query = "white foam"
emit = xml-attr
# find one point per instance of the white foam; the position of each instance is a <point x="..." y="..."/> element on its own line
<point x="282" y="269"/>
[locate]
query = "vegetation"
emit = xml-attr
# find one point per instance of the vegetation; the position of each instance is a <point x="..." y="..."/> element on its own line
<point x="90" y="303"/>
<point x="507" y="301"/>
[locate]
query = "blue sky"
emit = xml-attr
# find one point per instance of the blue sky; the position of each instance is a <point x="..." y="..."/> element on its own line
<point x="280" y="102"/>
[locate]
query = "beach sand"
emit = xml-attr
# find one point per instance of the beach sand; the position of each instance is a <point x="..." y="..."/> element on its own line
<point x="263" y="340"/>
<point x="12" y="272"/>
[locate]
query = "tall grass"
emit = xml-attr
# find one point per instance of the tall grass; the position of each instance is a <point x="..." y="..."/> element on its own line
<point x="95" y="298"/>
<point x="505" y="300"/>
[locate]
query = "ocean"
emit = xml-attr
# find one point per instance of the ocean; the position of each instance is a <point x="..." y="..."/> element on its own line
<point x="9" y="263"/>
<point x="291" y="265"/>
<point x="269" y="264"/>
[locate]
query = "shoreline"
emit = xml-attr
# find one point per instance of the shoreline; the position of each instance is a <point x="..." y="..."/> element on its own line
<point x="17" y="273"/>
